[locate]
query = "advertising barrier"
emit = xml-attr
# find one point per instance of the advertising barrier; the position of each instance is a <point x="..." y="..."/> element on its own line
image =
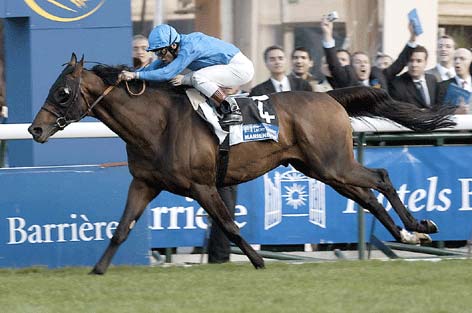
<point x="61" y="216"/>
<point x="65" y="216"/>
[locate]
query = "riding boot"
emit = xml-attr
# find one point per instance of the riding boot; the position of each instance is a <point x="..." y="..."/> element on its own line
<point x="229" y="107"/>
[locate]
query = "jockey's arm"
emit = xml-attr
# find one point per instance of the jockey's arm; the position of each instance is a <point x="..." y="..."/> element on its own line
<point x="168" y="71"/>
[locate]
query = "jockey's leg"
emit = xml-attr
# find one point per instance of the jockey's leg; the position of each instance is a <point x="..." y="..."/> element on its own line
<point x="209" y="81"/>
<point x="227" y="105"/>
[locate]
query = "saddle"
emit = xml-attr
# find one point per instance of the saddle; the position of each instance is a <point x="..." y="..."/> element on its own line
<point x="259" y="123"/>
<point x="259" y="118"/>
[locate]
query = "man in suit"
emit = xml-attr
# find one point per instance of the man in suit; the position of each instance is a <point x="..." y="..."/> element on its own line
<point x="444" y="69"/>
<point x="360" y="72"/>
<point x="415" y="86"/>
<point x="302" y="62"/>
<point x="276" y="63"/>
<point x="462" y="62"/>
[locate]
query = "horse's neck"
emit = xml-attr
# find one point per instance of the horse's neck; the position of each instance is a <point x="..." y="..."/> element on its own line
<point x="133" y="120"/>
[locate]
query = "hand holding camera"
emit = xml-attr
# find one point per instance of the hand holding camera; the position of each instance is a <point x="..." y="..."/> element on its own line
<point x="332" y="16"/>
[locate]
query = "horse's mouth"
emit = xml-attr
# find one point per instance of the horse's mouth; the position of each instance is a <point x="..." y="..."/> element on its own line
<point x="41" y="134"/>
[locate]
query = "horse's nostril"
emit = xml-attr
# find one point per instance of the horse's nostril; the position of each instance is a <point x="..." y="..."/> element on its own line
<point x="35" y="131"/>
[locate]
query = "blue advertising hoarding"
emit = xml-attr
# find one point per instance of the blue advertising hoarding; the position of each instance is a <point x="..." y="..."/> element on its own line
<point x="39" y="37"/>
<point x="65" y="215"/>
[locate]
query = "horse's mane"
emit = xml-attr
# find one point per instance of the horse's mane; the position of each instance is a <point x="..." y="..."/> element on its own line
<point x="109" y="75"/>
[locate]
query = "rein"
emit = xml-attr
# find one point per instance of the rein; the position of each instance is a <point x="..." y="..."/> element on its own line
<point x="139" y="92"/>
<point x="62" y="121"/>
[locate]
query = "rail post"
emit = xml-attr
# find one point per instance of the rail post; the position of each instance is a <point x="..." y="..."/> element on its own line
<point x="361" y="141"/>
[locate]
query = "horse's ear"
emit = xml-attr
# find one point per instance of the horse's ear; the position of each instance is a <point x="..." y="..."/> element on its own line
<point x="73" y="59"/>
<point x="78" y="67"/>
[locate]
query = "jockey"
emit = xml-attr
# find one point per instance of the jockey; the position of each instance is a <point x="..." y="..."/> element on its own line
<point x="214" y="64"/>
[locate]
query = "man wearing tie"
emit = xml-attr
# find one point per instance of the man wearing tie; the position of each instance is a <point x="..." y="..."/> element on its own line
<point x="415" y="86"/>
<point x="444" y="70"/>
<point x="276" y="63"/>
<point x="462" y="62"/>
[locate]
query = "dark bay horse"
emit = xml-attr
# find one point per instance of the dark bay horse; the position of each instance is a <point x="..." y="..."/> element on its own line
<point x="171" y="148"/>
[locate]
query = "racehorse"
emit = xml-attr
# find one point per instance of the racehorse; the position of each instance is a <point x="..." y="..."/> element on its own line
<point x="171" y="148"/>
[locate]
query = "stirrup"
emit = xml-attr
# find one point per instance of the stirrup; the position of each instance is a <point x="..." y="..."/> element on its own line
<point x="233" y="118"/>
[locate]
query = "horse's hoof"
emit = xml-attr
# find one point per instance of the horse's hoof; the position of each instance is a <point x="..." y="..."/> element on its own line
<point x="95" y="271"/>
<point x="259" y="263"/>
<point x="430" y="226"/>
<point x="423" y="238"/>
<point x="409" y="238"/>
<point x="260" y="266"/>
<point x="414" y="238"/>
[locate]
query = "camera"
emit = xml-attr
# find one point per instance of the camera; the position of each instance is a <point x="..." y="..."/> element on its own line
<point x="331" y="16"/>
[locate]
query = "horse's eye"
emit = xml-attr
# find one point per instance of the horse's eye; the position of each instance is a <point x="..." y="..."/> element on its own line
<point x="63" y="95"/>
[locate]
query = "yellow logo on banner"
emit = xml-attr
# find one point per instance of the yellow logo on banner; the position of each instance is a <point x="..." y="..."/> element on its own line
<point x="65" y="10"/>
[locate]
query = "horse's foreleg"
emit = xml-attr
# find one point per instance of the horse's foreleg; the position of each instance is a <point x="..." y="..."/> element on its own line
<point x="211" y="201"/>
<point x="139" y="195"/>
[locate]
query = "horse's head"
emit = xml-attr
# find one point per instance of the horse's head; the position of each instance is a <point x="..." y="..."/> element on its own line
<point x="64" y="103"/>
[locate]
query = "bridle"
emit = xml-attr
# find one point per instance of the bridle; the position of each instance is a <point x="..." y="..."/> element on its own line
<point x="62" y="121"/>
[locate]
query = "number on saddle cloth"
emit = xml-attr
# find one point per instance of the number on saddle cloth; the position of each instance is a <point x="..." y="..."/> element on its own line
<point x="260" y="121"/>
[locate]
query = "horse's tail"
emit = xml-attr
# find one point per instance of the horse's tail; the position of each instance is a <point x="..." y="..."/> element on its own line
<point x="373" y="102"/>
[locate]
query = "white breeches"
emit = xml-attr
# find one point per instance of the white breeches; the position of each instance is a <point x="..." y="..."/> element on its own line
<point x="237" y="72"/>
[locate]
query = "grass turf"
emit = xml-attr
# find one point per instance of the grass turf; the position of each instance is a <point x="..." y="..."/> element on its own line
<point x="344" y="286"/>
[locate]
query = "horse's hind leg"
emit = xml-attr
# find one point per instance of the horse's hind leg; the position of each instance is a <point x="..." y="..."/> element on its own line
<point x="139" y="195"/>
<point x="385" y="186"/>
<point x="356" y="184"/>
<point x="367" y="200"/>
<point x="211" y="201"/>
<point x="378" y="179"/>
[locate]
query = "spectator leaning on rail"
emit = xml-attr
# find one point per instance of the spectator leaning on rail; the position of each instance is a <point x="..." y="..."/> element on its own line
<point x="462" y="63"/>
<point x="415" y="86"/>
<point x="444" y="69"/>
<point x="360" y="71"/>
<point x="213" y="63"/>
<point x="141" y="57"/>
<point x="276" y="63"/>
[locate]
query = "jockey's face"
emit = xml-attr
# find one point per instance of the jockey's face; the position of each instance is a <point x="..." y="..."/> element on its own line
<point x="165" y="55"/>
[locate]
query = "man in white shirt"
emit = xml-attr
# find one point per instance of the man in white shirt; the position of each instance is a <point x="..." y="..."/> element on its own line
<point x="444" y="70"/>
<point x="276" y="63"/>
<point x="462" y="61"/>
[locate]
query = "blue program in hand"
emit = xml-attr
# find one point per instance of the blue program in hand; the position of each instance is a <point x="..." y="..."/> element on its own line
<point x="415" y="21"/>
<point x="455" y="95"/>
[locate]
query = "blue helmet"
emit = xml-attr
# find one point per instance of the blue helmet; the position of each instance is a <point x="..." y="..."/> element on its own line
<point x="162" y="36"/>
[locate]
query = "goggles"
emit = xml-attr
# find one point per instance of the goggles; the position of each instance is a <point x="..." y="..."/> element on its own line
<point x="160" y="53"/>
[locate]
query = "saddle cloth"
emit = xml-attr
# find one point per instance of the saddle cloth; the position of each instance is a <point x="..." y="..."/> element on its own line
<point x="259" y="118"/>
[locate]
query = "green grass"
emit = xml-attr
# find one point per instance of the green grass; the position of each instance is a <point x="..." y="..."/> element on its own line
<point x="344" y="286"/>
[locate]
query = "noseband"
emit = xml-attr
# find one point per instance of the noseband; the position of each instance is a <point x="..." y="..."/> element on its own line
<point x="62" y="121"/>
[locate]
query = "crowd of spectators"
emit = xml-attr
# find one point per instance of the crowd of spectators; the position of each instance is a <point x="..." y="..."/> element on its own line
<point x="405" y="78"/>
